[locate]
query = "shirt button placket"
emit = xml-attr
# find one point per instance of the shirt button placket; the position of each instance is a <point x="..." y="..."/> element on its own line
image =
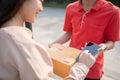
<point x="83" y="18"/>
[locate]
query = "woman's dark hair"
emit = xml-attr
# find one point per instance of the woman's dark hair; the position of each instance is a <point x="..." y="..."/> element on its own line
<point x="8" y="9"/>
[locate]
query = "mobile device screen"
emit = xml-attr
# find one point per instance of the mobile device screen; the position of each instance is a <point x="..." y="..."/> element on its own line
<point x="91" y="47"/>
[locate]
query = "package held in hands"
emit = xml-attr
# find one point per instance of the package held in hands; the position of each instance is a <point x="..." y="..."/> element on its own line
<point x="63" y="58"/>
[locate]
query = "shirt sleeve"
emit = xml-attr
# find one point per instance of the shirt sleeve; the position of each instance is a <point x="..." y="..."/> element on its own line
<point x="36" y="62"/>
<point x="78" y="72"/>
<point x="112" y="32"/>
<point x="67" y="21"/>
<point x="29" y="59"/>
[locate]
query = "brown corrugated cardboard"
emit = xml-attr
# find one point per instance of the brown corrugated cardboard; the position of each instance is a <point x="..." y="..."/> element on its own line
<point x="63" y="58"/>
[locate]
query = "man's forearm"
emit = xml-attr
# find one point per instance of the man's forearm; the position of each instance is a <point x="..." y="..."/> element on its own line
<point x="63" y="39"/>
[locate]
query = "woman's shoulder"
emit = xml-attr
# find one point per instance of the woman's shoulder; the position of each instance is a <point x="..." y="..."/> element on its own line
<point x="18" y="33"/>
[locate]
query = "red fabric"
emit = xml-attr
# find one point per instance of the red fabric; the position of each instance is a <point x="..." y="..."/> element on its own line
<point x="98" y="25"/>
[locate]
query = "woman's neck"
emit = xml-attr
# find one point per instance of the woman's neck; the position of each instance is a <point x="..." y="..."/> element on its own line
<point x="15" y="21"/>
<point x="88" y="4"/>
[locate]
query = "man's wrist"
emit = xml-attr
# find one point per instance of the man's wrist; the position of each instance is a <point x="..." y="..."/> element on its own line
<point x="105" y="47"/>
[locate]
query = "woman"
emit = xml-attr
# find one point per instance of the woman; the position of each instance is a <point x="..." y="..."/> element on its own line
<point x="21" y="58"/>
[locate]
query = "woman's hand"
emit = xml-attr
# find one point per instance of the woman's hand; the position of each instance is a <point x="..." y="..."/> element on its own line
<point x="87" y="58"/>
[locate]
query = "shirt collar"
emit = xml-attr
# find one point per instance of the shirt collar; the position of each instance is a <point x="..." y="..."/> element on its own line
<point x="98" y="4"/>
<point x="96" y="7"/>
<point x="79" y="5"/>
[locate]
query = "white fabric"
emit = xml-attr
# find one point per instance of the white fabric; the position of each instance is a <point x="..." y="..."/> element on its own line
<point x="78" y="72"/>
<point x="21" y="58"/>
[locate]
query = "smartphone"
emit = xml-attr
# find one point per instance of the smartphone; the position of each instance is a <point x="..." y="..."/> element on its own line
<point x="91" y="47"/>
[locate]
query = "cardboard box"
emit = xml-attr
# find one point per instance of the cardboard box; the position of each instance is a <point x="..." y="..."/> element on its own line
<point x="63" y="58"/>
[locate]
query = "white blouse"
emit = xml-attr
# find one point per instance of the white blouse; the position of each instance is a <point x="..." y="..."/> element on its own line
<point x="21" y="58"/>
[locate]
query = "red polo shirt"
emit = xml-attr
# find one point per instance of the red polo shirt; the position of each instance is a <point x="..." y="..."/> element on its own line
<point x="98" y="25"/>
